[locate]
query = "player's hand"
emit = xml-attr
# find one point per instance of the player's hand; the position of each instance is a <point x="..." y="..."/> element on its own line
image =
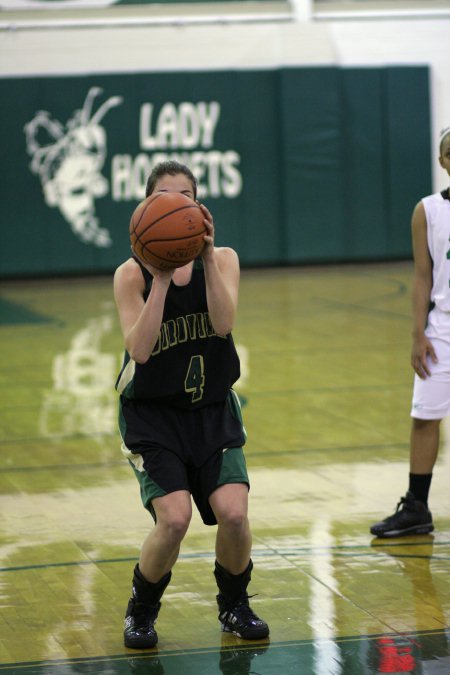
<point x="209" y="236"/>
<point x="422" y="352"/>
<point x="165" y="275"/>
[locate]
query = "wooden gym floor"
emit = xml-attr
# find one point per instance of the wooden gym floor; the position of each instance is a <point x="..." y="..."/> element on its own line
<point x="326" y="388"/>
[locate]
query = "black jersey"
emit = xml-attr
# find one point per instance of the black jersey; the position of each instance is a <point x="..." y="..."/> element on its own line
<point x="190" y="366"/>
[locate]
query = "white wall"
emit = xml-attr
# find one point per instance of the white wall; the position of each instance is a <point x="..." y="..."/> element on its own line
<point x="202" y="46"/>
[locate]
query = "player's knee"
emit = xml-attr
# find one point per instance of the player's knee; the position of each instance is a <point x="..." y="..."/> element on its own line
<point x="177" y="525"/>
<point x="423" y="425"/>
<point x="174" y="523"/>
<point x="234" y="518"/>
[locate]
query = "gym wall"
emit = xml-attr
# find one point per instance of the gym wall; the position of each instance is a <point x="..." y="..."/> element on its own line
<point x="298" y="165"/>
<point x="312" y="140"/>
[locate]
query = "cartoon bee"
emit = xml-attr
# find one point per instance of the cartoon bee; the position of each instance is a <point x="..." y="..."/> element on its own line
<point x="68" y="160"/>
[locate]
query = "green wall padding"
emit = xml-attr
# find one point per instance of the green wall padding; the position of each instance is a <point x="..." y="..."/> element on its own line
<point x="298" y="165"/>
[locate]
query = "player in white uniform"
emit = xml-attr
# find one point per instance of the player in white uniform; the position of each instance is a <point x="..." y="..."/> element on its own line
<point x="430" y="356"/>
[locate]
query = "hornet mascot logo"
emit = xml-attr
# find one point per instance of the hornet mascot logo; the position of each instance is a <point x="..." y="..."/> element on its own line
<point x="68" y="160"/>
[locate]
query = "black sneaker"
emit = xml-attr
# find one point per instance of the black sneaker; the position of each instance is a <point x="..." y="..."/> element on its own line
<point x="140" y="621"/>
<point x="241" y="620"/>
<point x="410" y="517"/>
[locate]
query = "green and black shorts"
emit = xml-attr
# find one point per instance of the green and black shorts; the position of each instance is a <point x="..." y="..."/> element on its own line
<point x="174" y="449"/>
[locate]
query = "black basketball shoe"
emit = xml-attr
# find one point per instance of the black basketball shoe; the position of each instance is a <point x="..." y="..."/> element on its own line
<point x="240" y="619"/>
<point x="140" y="621"/>
<point x="410" y="517"/>
<point x="142" y="611"/>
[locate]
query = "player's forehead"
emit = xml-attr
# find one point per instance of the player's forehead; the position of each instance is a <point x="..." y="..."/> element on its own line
<point x="445" y="146"/>
<point x="177" y="183"/>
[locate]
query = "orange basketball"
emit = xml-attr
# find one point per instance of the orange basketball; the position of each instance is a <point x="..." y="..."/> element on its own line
<point x="167" y="229"/>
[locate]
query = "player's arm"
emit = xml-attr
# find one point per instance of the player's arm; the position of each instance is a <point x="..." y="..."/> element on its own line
<point x="222" y="289"/>
<point x="140" y="321"/>
<point x="222" y="276"/>
<point x="421" y="291"/>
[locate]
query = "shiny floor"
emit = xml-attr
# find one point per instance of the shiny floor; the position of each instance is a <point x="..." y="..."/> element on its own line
<point x="326" y="387"/>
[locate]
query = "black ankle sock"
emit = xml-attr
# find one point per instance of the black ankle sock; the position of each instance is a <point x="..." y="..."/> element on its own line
<point x="419" y="485"/>
<point x="146" y="591"/>
<point x="232" y="586"/>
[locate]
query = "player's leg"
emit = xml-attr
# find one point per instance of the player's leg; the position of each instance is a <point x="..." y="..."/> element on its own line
<point x="165" y="493"/>
<point x="161" y="547"/>
<point x="233" y="540"/>
<point x="424" y="446"/>
<point x="229" y="503"/>
<point x="153" y="572"/>
<point x="219" y="486"/>
<point x="430" y="404"/>
<point x="412" y="515"/>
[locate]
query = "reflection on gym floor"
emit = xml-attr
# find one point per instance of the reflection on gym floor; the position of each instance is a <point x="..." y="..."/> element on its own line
<point x="325" y="387"/>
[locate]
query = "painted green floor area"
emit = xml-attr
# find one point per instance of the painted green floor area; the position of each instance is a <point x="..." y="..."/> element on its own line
<point x="413" y="653"/>
<point x="13" y="313"/>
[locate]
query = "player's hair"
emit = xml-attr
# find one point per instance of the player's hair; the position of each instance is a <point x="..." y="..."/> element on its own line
<point x="442" y="136"/>
<point x="172" y="168"/>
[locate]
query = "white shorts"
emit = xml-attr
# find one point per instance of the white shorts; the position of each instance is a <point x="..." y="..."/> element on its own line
<point x="431" y="397"/>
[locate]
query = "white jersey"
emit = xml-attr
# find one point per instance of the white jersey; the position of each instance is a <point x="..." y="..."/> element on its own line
<point x="437" y="211"/>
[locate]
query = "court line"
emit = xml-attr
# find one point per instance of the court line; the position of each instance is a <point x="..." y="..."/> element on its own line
<point x="339" y="551"/>
<point x="343" y="595"/>
<point x="409" y="635"/>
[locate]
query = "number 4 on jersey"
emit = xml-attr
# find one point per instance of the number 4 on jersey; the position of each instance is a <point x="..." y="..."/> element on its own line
<point x="195" y="378"/>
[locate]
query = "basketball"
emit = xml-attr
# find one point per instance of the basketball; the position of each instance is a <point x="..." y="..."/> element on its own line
<point x="167" y="229"/>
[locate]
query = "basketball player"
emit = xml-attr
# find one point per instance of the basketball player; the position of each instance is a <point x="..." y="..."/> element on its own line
<point x="180" y="420"/>
<point x="430" y="355"/>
